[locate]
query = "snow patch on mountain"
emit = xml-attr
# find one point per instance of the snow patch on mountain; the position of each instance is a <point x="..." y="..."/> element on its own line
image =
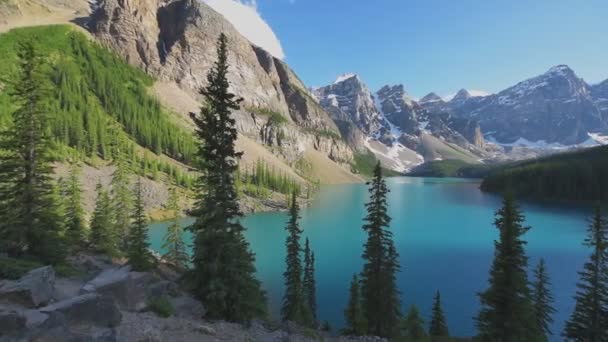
<point x="344" y="77"/>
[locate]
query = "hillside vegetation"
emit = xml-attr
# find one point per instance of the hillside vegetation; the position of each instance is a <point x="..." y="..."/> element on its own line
<point x="575" y="176"/>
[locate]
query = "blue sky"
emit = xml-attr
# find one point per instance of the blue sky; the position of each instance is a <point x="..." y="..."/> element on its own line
<point x="440" y="45"/>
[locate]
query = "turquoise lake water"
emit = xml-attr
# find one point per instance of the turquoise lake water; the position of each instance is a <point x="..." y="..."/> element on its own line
<point x="444" y="233"/>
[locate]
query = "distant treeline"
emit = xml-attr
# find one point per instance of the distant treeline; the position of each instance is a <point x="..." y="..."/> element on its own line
<point x="573" y="176"/>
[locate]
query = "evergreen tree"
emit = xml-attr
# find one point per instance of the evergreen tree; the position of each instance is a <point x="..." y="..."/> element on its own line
<point x="103" y="238"/>
<point x="294" y="301"/>
<point x="75" y="225"/>
<point x="438" y="327"/>
<point x="412" y="327"/>
<point x="506" y="310"/>
<point x="29" y="218"/>
<point x="589" y="321"/>
<point x="379" y="293"/>
<point x="174" y="239"/>
<point x="542" y="301"/>
<point x="122" y="196"/>
<point x="224" y="273"/>
<point x="353" y="314"/>
<point x="138" y="250"/>
<point x="310" y="285"/>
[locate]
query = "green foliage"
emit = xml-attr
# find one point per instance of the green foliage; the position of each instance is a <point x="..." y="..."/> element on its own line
<point x="15" y="268"/>
<point x="103" y="237"/>
<point x="542" y="301"/>
<point x="411" y="328"/>
<point x="138" y="248"/>
<point x="30" y="210"/>
<point x="75" y="231"/>
<point x="161" y="306"/>
<point x="365" y="162"/>
<point x="121" y="197"/>
<point x="223" y="275"/>
<point x="353" y="314"/>
<point x="438" y="326"/>
<point x="379" y="293"/>
<point x="506" y="310"/>
<point x="262" y="178"/>
<point x="294" y="302"/>
<point x="173" y="241"/>
<point x="575" y="176"/>
<point x="452" y="168"/>
<point x="589" y="321"/>
<point x="92" y="88"/>
<point x="324" y="133"/>
<point x="309" y="286"/>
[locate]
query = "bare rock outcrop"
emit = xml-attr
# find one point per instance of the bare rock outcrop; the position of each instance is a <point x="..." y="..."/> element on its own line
<point x="34" y="289"/>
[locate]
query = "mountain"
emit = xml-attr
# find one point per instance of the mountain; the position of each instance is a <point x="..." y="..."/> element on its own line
<point x="555" y="109"/>
<point x="396" y="128"/>
<point x="174" y="41"/>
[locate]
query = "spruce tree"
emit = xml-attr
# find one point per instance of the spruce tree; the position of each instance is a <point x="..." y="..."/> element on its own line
<point x="379" y="293"/>
<point x="506" y="310"/>
<point x="224" y="273"/>
<point x="138" y="250"/>
<point x="438" y="326"/>
<point x="122" y="196"/>
<point x="353" y="314"/>
<point x="75" y="231"/>
<point x="412" y="327"/>
<point x="103" y="238"/>
<point x="542" y="301"/>
<point x="294" y="301"/>
<point x="589" y="321"/>
<point x="173" y="241"/>
<point x="310" y="285"/>
<point x="30" y="222"/>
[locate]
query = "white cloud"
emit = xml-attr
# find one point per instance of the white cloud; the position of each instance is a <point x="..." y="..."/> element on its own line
<point x="244" y="16"/>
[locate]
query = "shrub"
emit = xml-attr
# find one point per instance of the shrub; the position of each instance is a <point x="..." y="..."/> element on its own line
<point x="161" y="306"/>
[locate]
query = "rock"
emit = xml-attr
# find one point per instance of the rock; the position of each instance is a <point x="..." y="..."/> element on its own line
<point x="128" y="288"/>
<point x="11" y="322"/>
<point x="163" y="288"/>
<point x="34" y="289"/>
<point x="187" y="307"/>
<point x="88" y="309"/>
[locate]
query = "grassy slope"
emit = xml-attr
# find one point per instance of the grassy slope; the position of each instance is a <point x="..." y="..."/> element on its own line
<point x="572" y="176"/>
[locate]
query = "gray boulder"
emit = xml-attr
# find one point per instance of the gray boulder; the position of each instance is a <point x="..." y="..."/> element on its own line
<point x="128" y="288"/>
<point x="88" y="309"/>
<point x="187" y="307"/>
<point x="34" y="289"/>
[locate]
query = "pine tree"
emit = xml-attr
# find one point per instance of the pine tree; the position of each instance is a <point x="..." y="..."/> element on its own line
<point x="224" y="273"/>
<point x="122" y="197"/>
<point x="310" y="285"/>
<point x="174" y="239"/>
<point x="294" y="301"/>
<point x="29" y="218"/>
<point x="353" y="314"/>
<point x="589" y="321"/>
<point x="138" y="250"/>
<point x="542" y="301"/>
<point x="75" y="224"/>
<point x="379" y="293"/>
<point x="412" y="326"/>
<point x="438" y="327"/>
<point x="506" y="310"/>
<point x="103" y="238"/>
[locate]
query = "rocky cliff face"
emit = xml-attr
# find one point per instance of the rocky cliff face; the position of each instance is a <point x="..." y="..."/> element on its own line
<point x="175" y="42"/>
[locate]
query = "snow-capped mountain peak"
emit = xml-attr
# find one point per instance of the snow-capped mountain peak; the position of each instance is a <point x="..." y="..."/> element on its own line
<point x="431" y="97"/>
<point x="345" y="77"/>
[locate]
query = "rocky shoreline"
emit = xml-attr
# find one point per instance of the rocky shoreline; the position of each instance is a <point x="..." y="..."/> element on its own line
<point x="105" y="301"/>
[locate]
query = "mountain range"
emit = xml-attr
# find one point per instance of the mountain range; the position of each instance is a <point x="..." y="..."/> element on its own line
<point x="318" y="133"/>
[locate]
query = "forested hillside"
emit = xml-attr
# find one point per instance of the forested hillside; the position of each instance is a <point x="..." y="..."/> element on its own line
<point x="95" y="97"/>
<point x="577" y="176"/>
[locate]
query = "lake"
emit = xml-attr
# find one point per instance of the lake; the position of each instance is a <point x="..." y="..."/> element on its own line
<point x="443" y="230"/>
